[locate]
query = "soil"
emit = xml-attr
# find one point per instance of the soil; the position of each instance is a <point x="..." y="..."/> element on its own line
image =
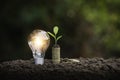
<point x="68" y="69"/>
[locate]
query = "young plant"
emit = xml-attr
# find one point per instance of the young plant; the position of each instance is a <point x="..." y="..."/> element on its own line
<point x="54" y="34"/>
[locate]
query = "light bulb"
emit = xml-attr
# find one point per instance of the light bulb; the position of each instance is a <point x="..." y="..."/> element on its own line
<point x="39" y="41"/>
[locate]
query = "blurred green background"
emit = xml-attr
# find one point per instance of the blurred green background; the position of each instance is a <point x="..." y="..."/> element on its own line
<point x="90" y="28"/>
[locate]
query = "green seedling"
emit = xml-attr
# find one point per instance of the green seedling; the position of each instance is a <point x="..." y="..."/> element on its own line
<point x="54" y="34"/>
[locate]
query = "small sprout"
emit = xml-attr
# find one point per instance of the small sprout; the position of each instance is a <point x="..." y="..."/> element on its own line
<point x="55" y="31"/>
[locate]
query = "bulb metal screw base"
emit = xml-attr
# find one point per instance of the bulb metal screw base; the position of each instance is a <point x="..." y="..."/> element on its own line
<point x="39" y="61"/>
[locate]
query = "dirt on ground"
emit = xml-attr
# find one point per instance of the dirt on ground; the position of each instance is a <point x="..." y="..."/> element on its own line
<point x="68" y="69"/>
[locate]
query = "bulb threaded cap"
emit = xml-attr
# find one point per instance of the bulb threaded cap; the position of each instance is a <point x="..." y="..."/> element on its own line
<point x="39" y="61"/>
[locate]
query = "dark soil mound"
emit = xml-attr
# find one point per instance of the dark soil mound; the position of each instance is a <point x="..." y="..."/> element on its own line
<point x="85" y="69"/>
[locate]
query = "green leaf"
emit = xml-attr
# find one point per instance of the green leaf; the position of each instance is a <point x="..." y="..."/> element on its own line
<point x="55" y="30"/>
<point x="59" y="37"/>
<point x="51" y="34"/>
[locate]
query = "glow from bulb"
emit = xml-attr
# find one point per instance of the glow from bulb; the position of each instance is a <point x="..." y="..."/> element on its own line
<point x="74" y="60"/>
<point x="38" y="41"/>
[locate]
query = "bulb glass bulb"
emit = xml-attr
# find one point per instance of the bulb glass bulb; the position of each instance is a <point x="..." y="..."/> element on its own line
<point x="39" y="41"/>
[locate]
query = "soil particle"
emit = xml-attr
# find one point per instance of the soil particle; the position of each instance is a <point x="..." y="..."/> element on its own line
<point x="68" y="69"/>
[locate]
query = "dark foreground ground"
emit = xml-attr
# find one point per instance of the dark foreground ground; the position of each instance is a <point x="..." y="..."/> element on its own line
<point x="86" y="69"/>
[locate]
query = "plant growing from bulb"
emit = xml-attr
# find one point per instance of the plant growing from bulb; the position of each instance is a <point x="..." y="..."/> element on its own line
<point x="56" y="47"/>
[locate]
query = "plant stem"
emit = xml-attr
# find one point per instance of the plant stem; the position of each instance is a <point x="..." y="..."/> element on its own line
<point x="55" y="40"/>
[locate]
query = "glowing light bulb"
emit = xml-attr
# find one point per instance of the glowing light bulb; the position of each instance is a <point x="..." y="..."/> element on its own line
<point x="39" y="41"/>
